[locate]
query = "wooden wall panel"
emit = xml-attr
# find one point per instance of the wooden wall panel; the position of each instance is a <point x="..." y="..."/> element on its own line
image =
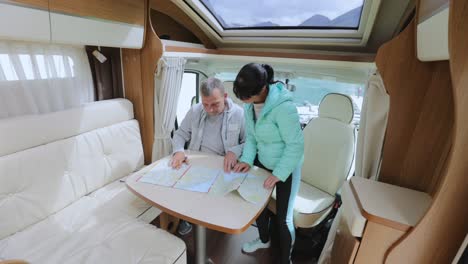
<point x="428" y="8"/>
<point x="311" y="56"/>
<point x="139" y="68"/>
<point x="170" y="9"/>
<point x="420" y="123"/>
<point x="41" y="4"/>
<point x="375" y="241"/>
<point x="131" y="64"/>
<point x="127" y="11"/>
<point x="165" y="25"/>
<point x="345" y="246"/>
<point x="440" y="233"/>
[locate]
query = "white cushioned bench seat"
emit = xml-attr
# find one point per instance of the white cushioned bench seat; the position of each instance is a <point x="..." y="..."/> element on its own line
<point x="62" y="192"/>
<point x="118" y="196"/>
<point x="89" y="231"/>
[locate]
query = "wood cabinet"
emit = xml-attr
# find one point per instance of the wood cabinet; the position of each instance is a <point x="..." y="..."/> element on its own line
<point x="389" y="213"/>
<point x="40" y="4"/>
<point x="22" y="22"/>
<point x="345" y="246"/>
<point x="102" y="23"/>
<point x="125" y="11"/>
<point x="377" y="239"/>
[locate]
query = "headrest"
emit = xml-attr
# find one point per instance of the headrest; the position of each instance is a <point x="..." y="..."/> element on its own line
<point x="228" y="88"/>
<point x="337" y="106"/>
<point x="23" y="132"/>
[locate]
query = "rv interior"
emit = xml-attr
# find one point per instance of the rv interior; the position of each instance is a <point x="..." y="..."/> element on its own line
<point x="91" y="93"/>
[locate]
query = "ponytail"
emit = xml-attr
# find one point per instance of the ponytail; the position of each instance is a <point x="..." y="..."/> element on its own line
<point x="269" y="74"/>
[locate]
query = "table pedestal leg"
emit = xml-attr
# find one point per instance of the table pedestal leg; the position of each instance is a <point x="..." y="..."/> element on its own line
<point x="200" y="245"/>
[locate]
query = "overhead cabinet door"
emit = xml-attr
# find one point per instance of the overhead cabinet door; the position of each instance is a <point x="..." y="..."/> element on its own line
<point x="25" y="20"/>
<point x="103" y="23"/>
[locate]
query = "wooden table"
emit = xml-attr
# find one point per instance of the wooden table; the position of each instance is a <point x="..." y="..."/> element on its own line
<point x="229" y="214"/>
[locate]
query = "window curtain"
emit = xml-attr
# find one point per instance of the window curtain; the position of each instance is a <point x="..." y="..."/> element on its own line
<point x="168" y="83"/>
<point x="39" y="78"/>
<point x="372" y="128"/>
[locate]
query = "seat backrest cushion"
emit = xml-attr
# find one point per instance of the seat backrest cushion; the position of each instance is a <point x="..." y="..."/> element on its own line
<point x="337" y="106"/>
<point x="228" y="87"/>
<point x="81" y="153"/>
<point x="329" y="145"/>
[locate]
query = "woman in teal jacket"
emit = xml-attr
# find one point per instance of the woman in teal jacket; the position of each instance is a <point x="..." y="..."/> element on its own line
<point x="274" y="142"/>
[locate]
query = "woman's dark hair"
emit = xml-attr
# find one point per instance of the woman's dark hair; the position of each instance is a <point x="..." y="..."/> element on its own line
<point x="251" y="79"/>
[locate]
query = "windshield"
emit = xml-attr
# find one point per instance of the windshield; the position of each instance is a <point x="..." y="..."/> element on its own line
<point x="309" y="92"/>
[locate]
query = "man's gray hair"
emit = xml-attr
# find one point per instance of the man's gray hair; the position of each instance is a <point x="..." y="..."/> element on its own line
<point x="209" y="85"/>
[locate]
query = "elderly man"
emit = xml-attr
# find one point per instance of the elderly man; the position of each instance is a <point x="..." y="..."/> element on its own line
<point x="214" y="126"/>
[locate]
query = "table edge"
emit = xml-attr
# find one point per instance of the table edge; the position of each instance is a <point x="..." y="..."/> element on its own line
<point x="196" y="221"/>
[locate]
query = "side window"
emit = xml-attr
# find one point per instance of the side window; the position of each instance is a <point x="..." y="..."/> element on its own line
<point x="188" y="95"/>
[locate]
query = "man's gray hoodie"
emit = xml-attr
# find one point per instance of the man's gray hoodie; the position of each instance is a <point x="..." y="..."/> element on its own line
<point x="192" y="129"/>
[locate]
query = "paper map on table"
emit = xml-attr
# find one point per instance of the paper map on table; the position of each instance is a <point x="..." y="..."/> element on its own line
<point x="252" y="189"/>
<point x="200" y="179"/>
<point x="228" y="182"/>
<point x="163" y="174"/>
<point x="197" y="179"/>
<point x="189" y="178"/>
<point x="249" y="186"/>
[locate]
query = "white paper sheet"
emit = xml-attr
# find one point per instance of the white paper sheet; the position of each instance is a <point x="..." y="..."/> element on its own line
<point x="197" y="179"/>
<point x="163" y="174"/>
<point x="252" y="189"/>
<point x="228" y="182"/>
<point x="215" y="181"/>
<point x="249" y="186"/>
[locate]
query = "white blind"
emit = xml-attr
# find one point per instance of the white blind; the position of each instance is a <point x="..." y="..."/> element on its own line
<point x="39" y="78"/>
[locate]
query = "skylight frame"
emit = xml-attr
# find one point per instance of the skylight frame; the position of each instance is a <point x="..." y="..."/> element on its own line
<point x="280" y="27"/>
<point x="340" y="37"/>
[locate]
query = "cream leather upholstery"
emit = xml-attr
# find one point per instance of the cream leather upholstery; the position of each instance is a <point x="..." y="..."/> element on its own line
<point x="29" y="131"/>
<point x="90" y="232"/>
<point x="115" y="194"/>
<point x="61" y="200"/>
<point x="338" y="107"/>
<point x="310" y="205"/>
<point x="328" y="155"/>
<point x="228" y="87"/>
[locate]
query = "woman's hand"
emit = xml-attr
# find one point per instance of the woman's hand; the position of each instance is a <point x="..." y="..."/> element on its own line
<point x="270" y="182"/>
<point x="242" y="167"/>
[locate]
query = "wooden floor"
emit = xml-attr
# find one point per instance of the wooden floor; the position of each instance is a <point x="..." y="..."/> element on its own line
<point x="226" y="249"/>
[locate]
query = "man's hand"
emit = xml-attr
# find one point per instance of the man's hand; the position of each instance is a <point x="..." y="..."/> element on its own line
<point x="242" y="167"/>
<point x="270" y="182"/>
<point x="178" y="159"/>
<point x="230" y="160"/>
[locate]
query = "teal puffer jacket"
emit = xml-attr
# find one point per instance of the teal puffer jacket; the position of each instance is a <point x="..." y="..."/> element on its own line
<point x="276" y="135"/>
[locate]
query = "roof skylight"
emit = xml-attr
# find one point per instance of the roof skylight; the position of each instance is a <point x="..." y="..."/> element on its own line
<point x="291" y="14"/>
